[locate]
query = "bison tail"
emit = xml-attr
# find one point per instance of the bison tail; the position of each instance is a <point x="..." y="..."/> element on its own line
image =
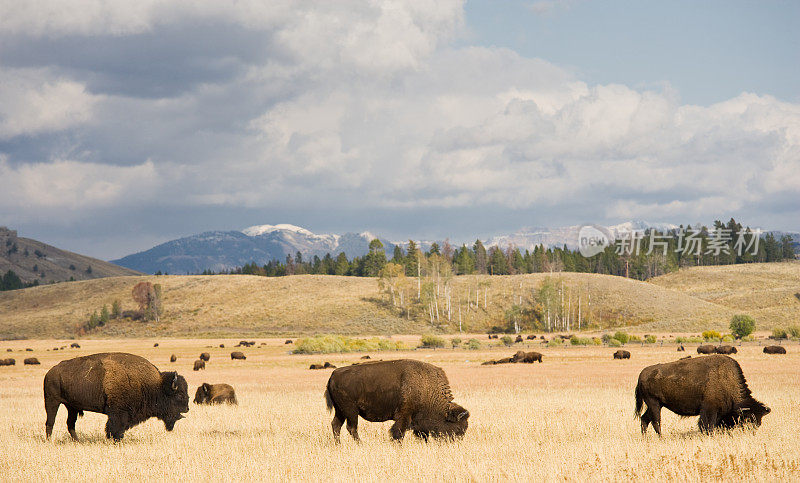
<point x="639" y="400"/>
<point x="328" y="400"/>
<point x="80" y="413"/>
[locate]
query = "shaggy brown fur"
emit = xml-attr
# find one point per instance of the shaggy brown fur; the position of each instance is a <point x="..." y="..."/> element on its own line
<point x="518" y="339"/>
<point x="127" y="388"/>
<point x="531" y="337"/>
<point x="414" y="394"/>
<point x="215" y="394"/>
<point x="706" y="349"/>
<point x="198" y="364"/>
<point x="621" y="354"/>
<point x="238" y="355"/>
<point x="31" y="361"/>
<point x="316" y="366"/>
<point x="205" y="356"/>
<point x="774" y="349"/>
<point x="726" y="349"/>
<point x="713" y="387"/>
<point x="527" y="357"/>
<point x="8" y="362"/>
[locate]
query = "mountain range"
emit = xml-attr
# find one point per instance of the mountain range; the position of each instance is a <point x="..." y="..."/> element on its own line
<point x="224" y="250"/>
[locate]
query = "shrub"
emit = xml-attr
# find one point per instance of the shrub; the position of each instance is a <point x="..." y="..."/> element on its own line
<point x="711" y="336"/>
<point x="575" y="340"/>
<point x="507" y="340"/>
<point x="742" y="325"/>
<point x="622" y="337"/>
<point x="597" y="341"/>
<point x="605" y="338"/>
<point x="650" y="339"/>
<point x="432" y="341"/>
<point x="473" y="344"/>
<point x="116" y="309"/>
<point x="614" y="343"/>
<point x="104" y="316"/>
<point x="727" y="338"/>
<point x="555" y="342"/>
<point x="794" y="331"/>
<point x="325" y="344"/>
<point x="748" y="338"/>
<point x="634" y="338"/>
<point x="455" y="342"/>
<point x="778" y="333"/>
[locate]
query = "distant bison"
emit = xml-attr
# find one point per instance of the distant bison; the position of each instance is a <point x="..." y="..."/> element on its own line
<point x="288" y="341"/>
<point x="621" y="354"/>
<point x="222" y="346"/>
<point x="75" y="345"/>
<point x="237" y="355"/>
<point x="173" y="358"/>
<point x="706" y="349"/>
<point x="365" y="357"/>
<point x="316" y="366"/>
<point x="215" y="394"/>
<point x="518" y="339"/>
<point x="205" y="356"/>
<point x="774" y="349"/>
<point x="9" y="350"/>
<point x="726" y="349"/>
<point x="414" y="394"/>
<point x="28" y="350"/>
<point x="155" y="345"/>
<point x="8" y="362"/>
<point x="31" y="361"/>
<point x="199" y="364"/>
<point x="328" y="365"/>
<point x="127" y="388"/>
<point x="527" y="357"/>
<point x="531" y="337"/>
<point x="713" y="387"/>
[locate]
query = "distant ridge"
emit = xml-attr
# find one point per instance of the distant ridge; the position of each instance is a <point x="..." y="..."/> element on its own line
<point x="33" y="260"/>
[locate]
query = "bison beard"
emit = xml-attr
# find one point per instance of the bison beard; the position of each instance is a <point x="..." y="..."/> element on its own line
<point x="127" y="388"/>
<point x="712" y="387"/>
<point x="414" y="394"/>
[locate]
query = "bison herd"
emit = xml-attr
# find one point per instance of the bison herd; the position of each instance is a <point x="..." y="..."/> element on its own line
<point x="414" y="394"/>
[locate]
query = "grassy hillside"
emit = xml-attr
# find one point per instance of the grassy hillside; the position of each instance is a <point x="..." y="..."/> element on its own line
<point x="33" y="260"/>
<point x="236" y="305"/>
<point x="770" y="292"/>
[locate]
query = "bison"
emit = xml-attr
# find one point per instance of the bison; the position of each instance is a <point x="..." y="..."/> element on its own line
<point x="414" y="394"/>
<point x="726" y="349"/>
<point x="237" y="355"/>
<point x="774" y="349"/>
<point x="125" y="387"/>
<point x="518" y="339"/>
<point x="222" y="346"/>
<point x="706" y="349"/>
<point x="75" y="345"/>
<point x="31" y="361"/>
<point x="527" y="357"/>
<point x="621" y="354"/>
<point x="205" y="356"/>
<point x="365" y="357"/>
<point x="288" y="341"/>
<point x="155" y="345"/>
<point x="215" y="394"/>
<point x="173" y="358"/>
<point x="531" y="337"/>
<point x="505" y="360"/>
<point x="328" y="365"/>
<point x="712" y="387"/>
<point x="316" y="366"/>
<point x="199" y="364"/>
<point x="488" y="363"/>
<point x="28" y="350"/>
<point x="8" y="362"/>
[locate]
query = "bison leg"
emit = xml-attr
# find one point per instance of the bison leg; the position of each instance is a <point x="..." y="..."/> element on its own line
<point x="116" y="425"/>
<point x="708" y="420"/>
<point x="51" y="408"/>
<point x="352" y="427"/>
<point x="399" y="428"/>
<point x="336" y="424"/>
<point x="645" y="421"/>
<point x="72" y="416"/>
<point x="654" y="414"/>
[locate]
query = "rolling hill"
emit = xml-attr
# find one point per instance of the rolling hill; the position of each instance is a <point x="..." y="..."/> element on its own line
<point x="242" y="305"/>
<point x="33" y="260"/>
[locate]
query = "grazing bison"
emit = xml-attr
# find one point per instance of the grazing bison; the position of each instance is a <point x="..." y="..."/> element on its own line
<point x="774" y="349"/>
<point x="155" y="345"/>
<point x="222" y="346"/>
<point x="288" y="341"/>
<point x="531" y="337"/>
<point x="205" y="356"/>
<point x="173" y="358"/>
<point x="414" y="394"/>
<point x="75" y="345"/>
<point x="706" y="349"/>
<point x="518" y="339"/>
<point x="198" y="364"/>
<point x="238" y="355"/>
<point x="527" y="357"/>
<point x="31" y="361"/>
<point x="621" y="354"/>
<point x="215" y="394"/>
<point x="316" y="366"/>
<point x="713" y="387"/>
<point x="8" y="362"/>
<point x="328" y="365"/>
<point x="365" y="357"/>
<point x="127" y="388"/>
<point x="726" y="349"/>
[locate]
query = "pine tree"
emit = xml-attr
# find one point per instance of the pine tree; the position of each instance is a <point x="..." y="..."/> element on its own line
<point x="481" y="260"/>
<point x="375" y="260"/>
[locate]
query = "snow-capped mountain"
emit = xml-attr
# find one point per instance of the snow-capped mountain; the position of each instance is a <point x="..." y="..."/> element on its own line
<point x="223" y="250"/>
<point x="528" y="238"/>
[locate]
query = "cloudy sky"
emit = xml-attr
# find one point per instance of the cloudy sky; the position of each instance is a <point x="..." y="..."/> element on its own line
<point x="126" y="124"/>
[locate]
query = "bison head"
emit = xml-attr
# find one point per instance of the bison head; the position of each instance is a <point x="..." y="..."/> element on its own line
<point x="750" y="415"/>
<point x="454" y="424"/>
<point x="174" y="398"/>
<point x="203" y="394"/>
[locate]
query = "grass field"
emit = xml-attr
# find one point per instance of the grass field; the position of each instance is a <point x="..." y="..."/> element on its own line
<point x="569" y="418"/>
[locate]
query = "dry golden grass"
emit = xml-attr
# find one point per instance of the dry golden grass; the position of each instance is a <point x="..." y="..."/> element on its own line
<point x="766" y="291"/>
<point x="249" y="305"/>
<point x="570" y="418"/>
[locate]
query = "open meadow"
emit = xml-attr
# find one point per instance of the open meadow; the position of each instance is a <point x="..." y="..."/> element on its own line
<point x="570" y="417"/>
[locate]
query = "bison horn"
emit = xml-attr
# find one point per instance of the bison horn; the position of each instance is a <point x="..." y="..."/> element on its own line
<point x="463" y="415"/>
<point x="175" y="382"/>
